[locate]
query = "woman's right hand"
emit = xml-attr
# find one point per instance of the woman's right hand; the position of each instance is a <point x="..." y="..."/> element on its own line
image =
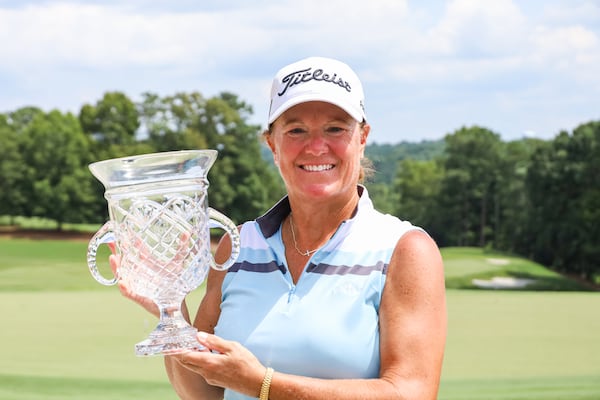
<point x="149" y="305"/>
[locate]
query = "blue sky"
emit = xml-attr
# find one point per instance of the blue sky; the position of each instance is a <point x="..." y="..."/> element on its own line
<point x="517" y="67"/>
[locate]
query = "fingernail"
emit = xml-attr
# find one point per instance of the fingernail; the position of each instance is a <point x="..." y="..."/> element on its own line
<point x="202" y="336"/>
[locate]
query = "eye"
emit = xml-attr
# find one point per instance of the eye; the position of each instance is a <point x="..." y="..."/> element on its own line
<point x="296" y="131"/>
<point x="336" y="130"/>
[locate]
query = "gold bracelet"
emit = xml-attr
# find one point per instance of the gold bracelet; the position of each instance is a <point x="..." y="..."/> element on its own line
<point x="266" y="385"/>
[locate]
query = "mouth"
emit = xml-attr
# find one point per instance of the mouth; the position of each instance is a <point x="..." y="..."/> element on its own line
<point x="317" y="168"/>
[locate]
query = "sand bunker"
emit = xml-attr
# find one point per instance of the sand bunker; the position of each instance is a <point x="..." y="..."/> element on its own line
<point x="502" y="282"/>
<point x="498" y="261"/>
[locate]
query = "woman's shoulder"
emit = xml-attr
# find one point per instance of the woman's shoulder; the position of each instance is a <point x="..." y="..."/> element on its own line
<point x="376" y="231"/>
<point x="377" y="220"/>
<point x="369" y="217"/>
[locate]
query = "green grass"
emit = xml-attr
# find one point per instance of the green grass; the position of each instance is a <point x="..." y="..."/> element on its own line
<point x="45" y="224"/>
<point x="60" y="388"/>
<point x="76" y="345"/>
<point x="463" y="264"/>
<point x="47" y="265"/>
<point x="497" y="334"/>
<point x="64" y="336"/>
<point x="553" y="388"/>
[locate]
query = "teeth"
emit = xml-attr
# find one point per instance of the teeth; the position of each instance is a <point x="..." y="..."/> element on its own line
<point x="317" y="168"/>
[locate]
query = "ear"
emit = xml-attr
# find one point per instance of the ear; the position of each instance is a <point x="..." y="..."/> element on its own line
<point x="364" y="134"/>
<point x="272" y="146"/>
<point x="366" y="129"/>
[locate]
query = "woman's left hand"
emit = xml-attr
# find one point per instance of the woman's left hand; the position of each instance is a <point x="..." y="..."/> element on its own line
<point x="226" y="364"/>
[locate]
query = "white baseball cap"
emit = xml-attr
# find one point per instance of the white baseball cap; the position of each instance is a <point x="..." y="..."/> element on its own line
<point x="317" y="79"/>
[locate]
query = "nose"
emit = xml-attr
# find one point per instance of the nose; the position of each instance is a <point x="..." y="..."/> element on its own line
<point x="316" y="144"/>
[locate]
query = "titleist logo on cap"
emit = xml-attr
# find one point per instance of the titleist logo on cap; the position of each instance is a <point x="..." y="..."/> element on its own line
<point x="307" y="75"/>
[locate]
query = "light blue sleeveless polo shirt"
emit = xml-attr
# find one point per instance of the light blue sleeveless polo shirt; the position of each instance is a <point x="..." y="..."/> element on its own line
<point x="325" y="326"/>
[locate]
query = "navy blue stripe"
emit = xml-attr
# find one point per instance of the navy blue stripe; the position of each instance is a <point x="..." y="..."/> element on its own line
<point x="271" y="221"/>
<point x="328" y="269"/>
<point x="256" y="267"/>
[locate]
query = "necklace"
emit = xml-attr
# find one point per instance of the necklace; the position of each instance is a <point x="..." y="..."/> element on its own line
<point x="305" y="253"/>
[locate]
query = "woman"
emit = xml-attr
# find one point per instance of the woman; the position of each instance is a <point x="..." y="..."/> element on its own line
<point x="329" y="298"/>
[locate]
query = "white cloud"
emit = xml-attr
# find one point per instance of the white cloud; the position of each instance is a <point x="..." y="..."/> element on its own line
<point x="474" y="28"/>
<point x="479" y="41"/>
<point x="114" y="36"/>
<point x="505" y="54"/>
<point x="564" y="43"/>
<point x="572" y="12"/>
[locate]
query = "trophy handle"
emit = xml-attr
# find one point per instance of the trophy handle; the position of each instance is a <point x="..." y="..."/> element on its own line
<point x="218" y="220"/>
<point x="104" y="235"/>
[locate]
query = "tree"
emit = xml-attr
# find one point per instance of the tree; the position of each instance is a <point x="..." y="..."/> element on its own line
<point x="385" y="157"/>
<point x="22" y="117"/>
<point x="418" y="185"/>
<point x="112" y="121"/>
<point x="512" y="206"/>
<point x="17" y="200"/>
<point x="471" y="165"/>
<point x="563" y="185"/>
<point x="242" y="183"/>
<point x="383" y="196"/>
<point x="56" y="153"/>
<point x="12" y="171"/>
<point x="171" y="122"/>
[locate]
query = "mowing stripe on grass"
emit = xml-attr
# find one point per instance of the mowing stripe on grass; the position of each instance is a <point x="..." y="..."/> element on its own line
<point x="13" y="387"/>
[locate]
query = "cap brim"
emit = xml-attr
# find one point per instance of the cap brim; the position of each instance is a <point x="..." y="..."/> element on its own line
<point x="305" y="98"/>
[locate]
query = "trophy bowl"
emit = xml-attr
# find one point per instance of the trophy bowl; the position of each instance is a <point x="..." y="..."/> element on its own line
<point x="160" y="222"/>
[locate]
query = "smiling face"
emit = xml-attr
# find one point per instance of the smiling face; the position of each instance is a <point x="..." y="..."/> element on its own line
<point x="318" y="147"/>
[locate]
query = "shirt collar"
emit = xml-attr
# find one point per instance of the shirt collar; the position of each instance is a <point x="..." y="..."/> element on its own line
<point x="270" y="221"/>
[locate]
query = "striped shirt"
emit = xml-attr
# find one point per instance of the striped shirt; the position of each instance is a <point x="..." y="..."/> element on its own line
<point x="325" y="325"/>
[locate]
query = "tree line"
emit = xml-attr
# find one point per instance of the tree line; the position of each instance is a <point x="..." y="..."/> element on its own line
<point x="45" y="155"/>
<point x="532" y="197"/>
<point x="535" y="198"/>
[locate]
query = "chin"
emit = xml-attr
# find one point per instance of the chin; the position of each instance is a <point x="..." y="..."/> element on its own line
<point x="321" y="190"/>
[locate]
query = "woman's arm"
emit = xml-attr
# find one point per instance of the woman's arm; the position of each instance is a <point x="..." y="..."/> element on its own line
<point x="413" y="318"/>
<point x="412" y="333"/>
<point x="412" y="340"/>
<point x="188" y="384"/>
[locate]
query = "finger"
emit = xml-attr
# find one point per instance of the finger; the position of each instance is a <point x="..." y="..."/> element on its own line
<point x="124" y="289"/>
<point x="143" y="252"/>
<point x="112" y="246"/>
<point x="179" y="358"/>
<point x="114" y="261"/>
<point x="213" y="342"/>
<point x="191" y="360"/>
<point x="183" y="250"/>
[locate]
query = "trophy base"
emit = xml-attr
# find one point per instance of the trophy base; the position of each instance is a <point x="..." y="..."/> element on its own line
<point x="168" y="342"/>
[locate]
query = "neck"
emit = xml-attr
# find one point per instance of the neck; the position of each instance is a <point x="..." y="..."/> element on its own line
<point x="305" y="253"/>
<point x="318" y="213"/>
<point x="311" y="225"/>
